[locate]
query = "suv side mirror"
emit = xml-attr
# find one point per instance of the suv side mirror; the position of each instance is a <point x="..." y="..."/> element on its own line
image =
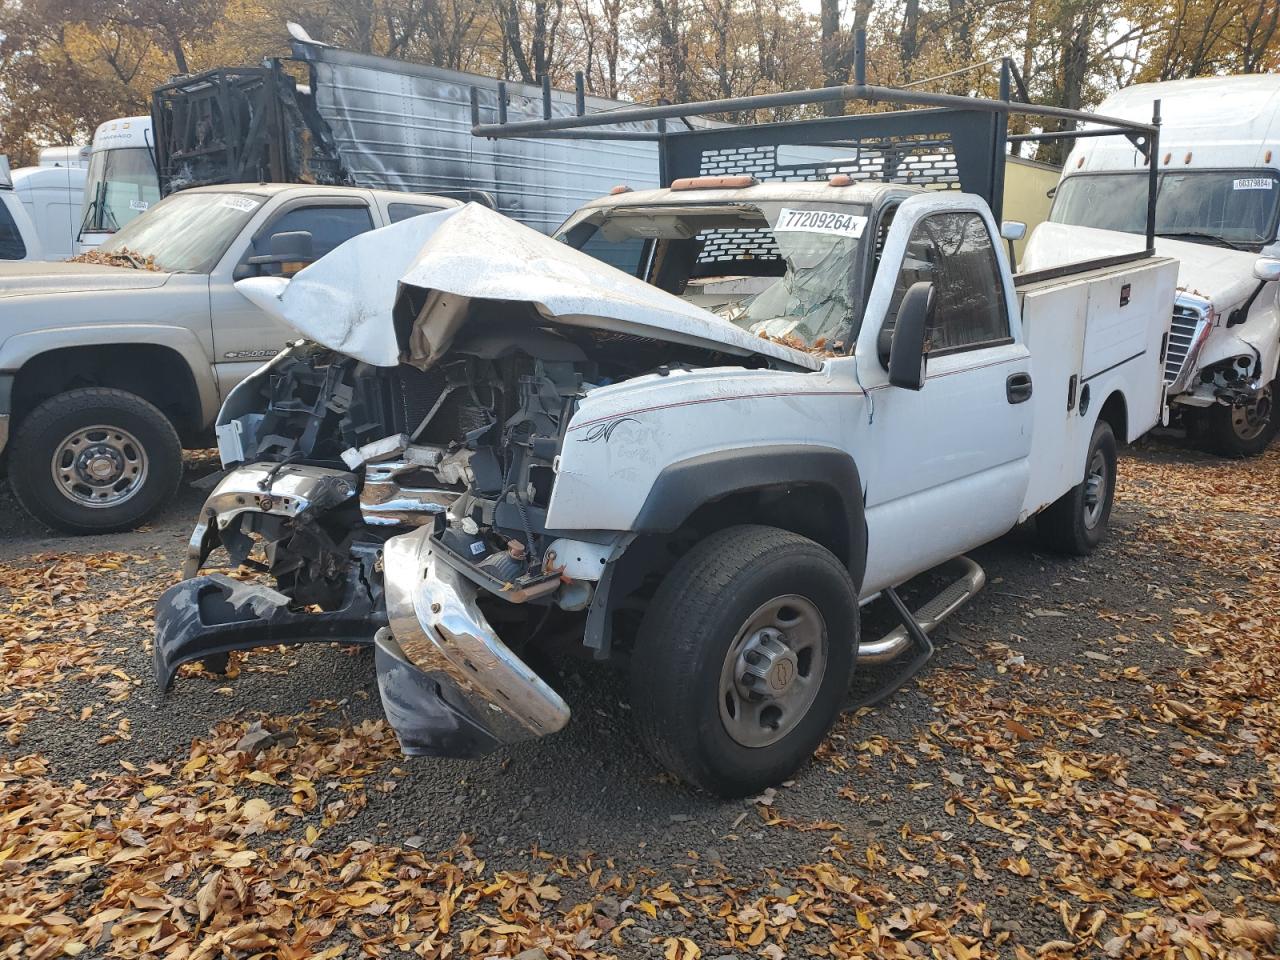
<point x="909" y="352"/>
<point x="1266" y="268"/>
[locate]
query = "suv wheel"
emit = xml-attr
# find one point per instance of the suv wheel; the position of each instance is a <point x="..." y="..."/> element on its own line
<point x="94" y="460"/>
<point x="744" y="658"/>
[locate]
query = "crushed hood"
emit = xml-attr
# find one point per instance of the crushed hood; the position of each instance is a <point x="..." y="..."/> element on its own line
<point x="346" y="299"/>
<point x="26" y="279"/>
<point x="1220" y="274"/>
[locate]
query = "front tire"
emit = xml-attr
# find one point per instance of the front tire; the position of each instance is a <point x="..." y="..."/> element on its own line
<point x="1077" y="521"/>
<point x="94" y="460"/>
<point x="1246" y="430"/>
<point x="744" y="658"/>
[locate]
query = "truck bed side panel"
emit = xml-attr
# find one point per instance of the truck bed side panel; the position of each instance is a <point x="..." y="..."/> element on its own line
<point x="1053" y="325"/>
<point x="1106" y="329"/>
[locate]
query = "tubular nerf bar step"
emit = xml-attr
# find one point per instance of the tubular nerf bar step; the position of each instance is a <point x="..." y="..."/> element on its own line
<point x="969" y="579"/>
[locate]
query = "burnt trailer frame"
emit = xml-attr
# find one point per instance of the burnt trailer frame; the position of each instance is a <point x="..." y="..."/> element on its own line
<point x="949" y="140"/>
<point x="240" y="125"/>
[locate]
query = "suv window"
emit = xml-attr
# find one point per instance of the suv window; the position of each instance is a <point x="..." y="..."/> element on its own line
<point x="403" y="211"/>
<point x="11" y="245"/>
<point x="329" y="227"/>
<point x="954" y="252"/>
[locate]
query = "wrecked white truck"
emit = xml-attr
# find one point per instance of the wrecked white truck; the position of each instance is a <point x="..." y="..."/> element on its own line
<point x="798" y="396"/>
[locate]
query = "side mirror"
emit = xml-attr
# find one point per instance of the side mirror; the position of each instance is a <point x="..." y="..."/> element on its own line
<point x="909" y="351"/>
<point x="293" y="246"/>
<point x="1266" y="268"/>
<point x="291" y="251"/>
<point x="1013" y="230"/>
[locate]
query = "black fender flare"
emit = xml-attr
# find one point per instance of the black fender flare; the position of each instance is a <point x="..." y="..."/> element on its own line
<point x="684" y="486"/>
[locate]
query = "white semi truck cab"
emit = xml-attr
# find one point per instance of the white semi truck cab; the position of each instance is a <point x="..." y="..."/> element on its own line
<point x="1217" y="208"/>
<point x="122" y="181"/>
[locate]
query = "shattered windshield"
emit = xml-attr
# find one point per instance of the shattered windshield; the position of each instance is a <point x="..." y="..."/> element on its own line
<point x="1232" y="207"/>
<point x="184" y="233"/>
<point x="781" y="270"/>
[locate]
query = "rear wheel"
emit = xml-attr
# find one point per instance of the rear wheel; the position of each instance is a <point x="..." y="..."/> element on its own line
<point x="1077" y="521"/>
<point x="744" y="658"/>
<point x="1245" y="430"/>
<point x="95" y="460"/>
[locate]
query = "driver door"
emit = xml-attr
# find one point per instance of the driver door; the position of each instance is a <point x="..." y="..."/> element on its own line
<point x="948" y="467"/>
<point x="244" y="337"/>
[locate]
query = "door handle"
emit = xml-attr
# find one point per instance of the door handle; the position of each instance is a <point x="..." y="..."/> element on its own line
<point x="1018" y="387"/>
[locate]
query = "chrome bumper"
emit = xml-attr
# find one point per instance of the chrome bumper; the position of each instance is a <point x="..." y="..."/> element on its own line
<point x="449" y="685"/>
<point x="264" y="488"/>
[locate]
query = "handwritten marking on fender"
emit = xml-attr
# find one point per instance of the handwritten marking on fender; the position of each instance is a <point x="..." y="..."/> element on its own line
<point x="820" y="221"/>
<point x="603" y="431"/>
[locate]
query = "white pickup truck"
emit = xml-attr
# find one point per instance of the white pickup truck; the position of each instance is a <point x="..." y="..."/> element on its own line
<point x="492" y="444"/>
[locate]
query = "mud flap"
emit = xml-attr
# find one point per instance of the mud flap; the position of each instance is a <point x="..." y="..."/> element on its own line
<point x="210" y="616"/>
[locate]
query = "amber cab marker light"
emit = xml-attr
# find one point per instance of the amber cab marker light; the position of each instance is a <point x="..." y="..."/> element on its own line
<point x="839" y="180"/>
<point x="714" y="183"/>
<point x="620" y="188"/>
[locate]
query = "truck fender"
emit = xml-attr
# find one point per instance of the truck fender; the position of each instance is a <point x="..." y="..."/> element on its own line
<point x="18" y="350"/>
<point x="687" y="485"/>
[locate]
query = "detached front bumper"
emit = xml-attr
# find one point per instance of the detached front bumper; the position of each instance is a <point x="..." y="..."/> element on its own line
<point x="210" y="616"/>
<point x="449" y="685"/>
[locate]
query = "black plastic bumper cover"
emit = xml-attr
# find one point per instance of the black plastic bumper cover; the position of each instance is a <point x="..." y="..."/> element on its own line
<point x="418" y="708"/>
<point x="212" y="615"/>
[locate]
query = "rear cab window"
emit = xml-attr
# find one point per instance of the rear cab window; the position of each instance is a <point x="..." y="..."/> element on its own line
<point x="405" y="211"/>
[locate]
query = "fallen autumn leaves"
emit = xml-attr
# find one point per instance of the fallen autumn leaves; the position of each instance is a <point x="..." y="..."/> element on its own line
<point x="1117" y="799"/>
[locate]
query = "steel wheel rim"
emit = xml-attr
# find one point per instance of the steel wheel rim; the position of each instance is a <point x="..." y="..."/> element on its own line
<point x="1250" y="420"/>
<point x="772" y="671"/>
<point x="99" y="466"/>
<point x="1095" y="489"/>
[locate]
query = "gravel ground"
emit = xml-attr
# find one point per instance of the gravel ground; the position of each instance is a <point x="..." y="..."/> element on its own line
<point x="950" y="798"/>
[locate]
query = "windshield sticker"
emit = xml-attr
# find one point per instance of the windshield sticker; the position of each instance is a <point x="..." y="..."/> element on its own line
<point x="820" y="221"/>
<point x="1252" y="183"/>
<point x="138" y="204"/>
<point x="243" y="204"/>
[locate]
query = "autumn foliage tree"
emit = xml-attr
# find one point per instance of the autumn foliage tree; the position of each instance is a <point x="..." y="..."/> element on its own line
<point x="66" y="65"/>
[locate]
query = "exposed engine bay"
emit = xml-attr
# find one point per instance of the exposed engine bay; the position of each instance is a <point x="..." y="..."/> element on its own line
<point x="476" y="434"/>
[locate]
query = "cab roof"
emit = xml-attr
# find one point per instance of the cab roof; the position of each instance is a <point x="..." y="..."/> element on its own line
<point x="267" y="190"/>
<point x="867" y="192"/>
<point x="1207" y="122"/>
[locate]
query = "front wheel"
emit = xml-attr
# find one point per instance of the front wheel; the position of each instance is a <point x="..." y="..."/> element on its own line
<point x="744" y="658"/>
<point x="1245" y="430"/>
<point x="94" y="460"/>
<point x="1077" y="521"/>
